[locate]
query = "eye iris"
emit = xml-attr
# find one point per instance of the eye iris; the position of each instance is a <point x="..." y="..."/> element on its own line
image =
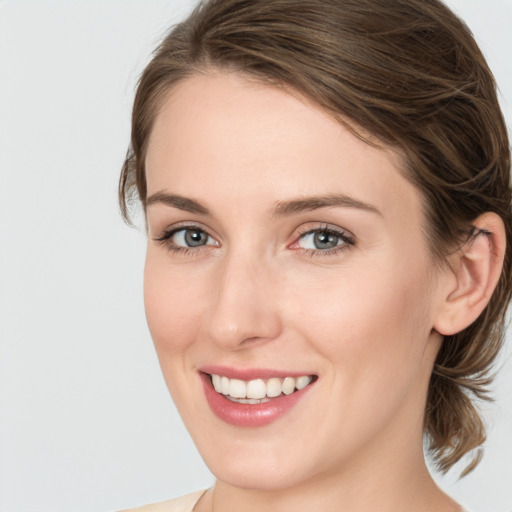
<point x="195" y="237"/>
<point x="325" y="240"/>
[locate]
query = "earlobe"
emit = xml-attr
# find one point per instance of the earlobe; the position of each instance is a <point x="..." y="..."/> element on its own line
<point x="476" y="269"/>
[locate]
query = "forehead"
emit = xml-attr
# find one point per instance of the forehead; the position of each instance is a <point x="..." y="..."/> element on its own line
<point x="238" y="139"/>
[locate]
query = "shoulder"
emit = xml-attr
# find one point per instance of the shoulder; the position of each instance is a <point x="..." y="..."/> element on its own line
<point x="182" y="504"/>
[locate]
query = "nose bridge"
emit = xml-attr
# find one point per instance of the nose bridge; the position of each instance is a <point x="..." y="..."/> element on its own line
<point x="244" y="306"/>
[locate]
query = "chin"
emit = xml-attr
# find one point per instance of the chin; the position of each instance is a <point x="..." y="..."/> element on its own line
<point x="268" y="464"/>
<point x="256" y="474"/>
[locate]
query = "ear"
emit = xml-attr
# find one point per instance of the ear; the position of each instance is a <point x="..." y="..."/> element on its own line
<point x="475" y="271"/>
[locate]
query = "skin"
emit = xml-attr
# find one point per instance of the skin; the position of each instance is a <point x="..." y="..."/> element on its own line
<point x="260" y="295"/>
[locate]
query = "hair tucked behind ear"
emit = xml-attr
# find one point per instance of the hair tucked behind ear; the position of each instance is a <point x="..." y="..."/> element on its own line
<point x="449" y="408"/>
<point x="409" y="73"/>
<point x="462" y="372"/>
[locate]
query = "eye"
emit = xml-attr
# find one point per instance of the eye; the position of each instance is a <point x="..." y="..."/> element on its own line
<point x="191" y="237"/>
<point x="325" y="239"/>
<point x="185" y="238"/>
<point x="320" y="240"/>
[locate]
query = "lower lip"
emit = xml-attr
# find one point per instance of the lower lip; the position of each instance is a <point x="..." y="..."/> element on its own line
<point x="249" y="415"/>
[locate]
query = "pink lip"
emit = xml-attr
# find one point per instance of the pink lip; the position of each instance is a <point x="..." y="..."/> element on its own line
<point x="249" y="415"/>
<point x="249" y="373"/>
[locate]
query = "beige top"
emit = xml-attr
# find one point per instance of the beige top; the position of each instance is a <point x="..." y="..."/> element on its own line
<point x="182" y="504"/>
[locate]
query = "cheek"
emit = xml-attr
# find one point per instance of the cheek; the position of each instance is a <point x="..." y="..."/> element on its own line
<point x="173" y="309"/>
<point x="373" y="323"/>
<point x="370" y="328"/>
<point x="172" y="305"/>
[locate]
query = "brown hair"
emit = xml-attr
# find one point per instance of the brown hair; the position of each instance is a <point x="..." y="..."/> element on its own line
<point x="406" y="71"/>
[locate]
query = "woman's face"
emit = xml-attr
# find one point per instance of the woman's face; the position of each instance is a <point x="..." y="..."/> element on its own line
<point x="281" y="246"/>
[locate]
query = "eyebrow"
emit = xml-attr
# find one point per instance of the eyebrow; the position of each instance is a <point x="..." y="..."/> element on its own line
<point x="176" y="201"/>
<point x="281" y="208"/>
<point x="305" y="204"/>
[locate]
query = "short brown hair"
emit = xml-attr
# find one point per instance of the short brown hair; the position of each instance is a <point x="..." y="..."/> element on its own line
<point x="409" y="73"/>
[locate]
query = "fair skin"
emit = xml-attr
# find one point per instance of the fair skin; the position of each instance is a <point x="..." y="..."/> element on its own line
<point x="361" y="314"/>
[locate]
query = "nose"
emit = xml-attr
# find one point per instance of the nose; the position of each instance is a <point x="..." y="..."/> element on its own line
<point x="244" y="304"/>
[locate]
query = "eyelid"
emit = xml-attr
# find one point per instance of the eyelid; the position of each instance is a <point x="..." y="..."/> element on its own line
<point x="173" y="228"/>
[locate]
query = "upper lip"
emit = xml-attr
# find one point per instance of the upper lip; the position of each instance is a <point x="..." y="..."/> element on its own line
<point x="250" y="373"/>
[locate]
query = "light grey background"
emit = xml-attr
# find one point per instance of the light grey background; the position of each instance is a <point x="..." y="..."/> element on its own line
<point x="86" y="423"/>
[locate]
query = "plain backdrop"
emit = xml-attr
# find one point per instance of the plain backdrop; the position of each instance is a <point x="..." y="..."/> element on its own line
<point x="86" y="423"/>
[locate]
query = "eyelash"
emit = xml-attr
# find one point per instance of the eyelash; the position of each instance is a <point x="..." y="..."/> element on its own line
<point x="347" y="239"/>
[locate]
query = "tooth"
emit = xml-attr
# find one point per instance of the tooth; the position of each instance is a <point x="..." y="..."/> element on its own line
<point x="288" y="386"/>
<point x="216" y="381"/>
<point x="273" y="387"/>
<point x="256" y="389"/>
<point x="224" y="383"/>
<point x="302" y="382"/>
<point x="237" y="388"/>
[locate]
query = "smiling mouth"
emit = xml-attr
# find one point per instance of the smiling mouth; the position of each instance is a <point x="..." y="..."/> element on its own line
<point x="258" y="391"/>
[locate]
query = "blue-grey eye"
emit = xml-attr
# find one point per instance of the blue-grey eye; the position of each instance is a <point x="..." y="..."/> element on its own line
<point x="191" y="237"/>
<point x="321" y="240"/>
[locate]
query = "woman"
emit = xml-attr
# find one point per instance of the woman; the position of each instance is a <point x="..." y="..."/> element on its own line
<point x="327" y="195"/>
